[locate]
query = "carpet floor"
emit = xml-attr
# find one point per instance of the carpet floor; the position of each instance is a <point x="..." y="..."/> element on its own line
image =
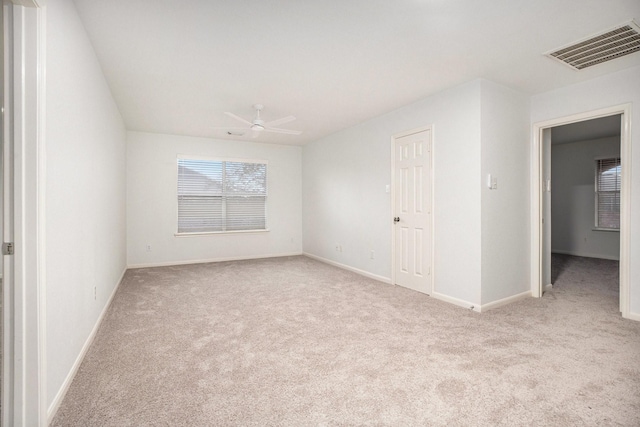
<point x="295" y="342"/>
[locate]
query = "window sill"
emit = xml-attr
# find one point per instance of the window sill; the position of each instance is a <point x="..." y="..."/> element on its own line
<point x="209" y="233"/>
<point x="615" y="230"/>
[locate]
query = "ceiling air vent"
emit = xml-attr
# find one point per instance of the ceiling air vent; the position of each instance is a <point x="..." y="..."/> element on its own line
<point x="620" y="41"/>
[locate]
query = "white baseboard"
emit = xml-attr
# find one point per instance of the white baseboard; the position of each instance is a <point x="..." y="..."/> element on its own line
<point x="55" y="404"/>
<point x="204" y="261"/>
<point x="505" y="301"/>
<point x="352" y="269"/>
<point x="456" y="301"/>
<point x="600" y="256"/>
<point x="634" y="316"/>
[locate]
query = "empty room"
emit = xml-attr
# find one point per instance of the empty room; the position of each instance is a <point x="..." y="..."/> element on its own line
<point x="320" y="213"/>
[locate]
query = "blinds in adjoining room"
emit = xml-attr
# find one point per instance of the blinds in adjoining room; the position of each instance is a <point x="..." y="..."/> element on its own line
<point x="608" y="193"/>
<point x="217" y="195"/>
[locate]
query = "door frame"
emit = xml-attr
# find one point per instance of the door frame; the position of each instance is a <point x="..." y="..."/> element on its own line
<point x="394" y="137"/>
<point x="537" y="287"/>
<point x="26" y="110"/>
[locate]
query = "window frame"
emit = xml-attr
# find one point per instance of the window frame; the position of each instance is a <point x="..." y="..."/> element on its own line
<point x="597" y="192"/>
<point x="219" y="159"/>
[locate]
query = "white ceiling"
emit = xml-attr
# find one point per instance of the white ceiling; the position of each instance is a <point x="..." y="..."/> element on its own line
<point x="603" y="127"/>
<point x="176" y="66"/>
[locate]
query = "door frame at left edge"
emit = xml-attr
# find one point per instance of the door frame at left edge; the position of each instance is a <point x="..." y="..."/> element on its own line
<point x="394" y="137"/>
<point x="28" y="358"/>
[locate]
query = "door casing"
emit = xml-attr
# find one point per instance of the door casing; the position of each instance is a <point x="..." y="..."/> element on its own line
<point x="537" y="156"/>
<point x="25" y="112"/>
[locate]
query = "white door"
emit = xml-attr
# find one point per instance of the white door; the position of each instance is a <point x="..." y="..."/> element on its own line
<point x="545" y="256"/>
<point x="412" y="211"/>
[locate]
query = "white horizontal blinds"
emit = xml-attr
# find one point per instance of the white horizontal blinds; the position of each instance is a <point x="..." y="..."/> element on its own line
<point x="221" y="196"/>
<point x="200" y="204"/>
<point x="608" y="193"/>
<point x="245" y="190"/>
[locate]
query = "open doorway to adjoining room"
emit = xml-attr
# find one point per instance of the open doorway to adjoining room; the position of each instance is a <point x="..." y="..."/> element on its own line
<point x="585" y="208"/>
<point x="588" y="176"/>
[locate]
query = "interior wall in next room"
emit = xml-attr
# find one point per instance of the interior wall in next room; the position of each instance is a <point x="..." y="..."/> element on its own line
<point x="573" y="199"/>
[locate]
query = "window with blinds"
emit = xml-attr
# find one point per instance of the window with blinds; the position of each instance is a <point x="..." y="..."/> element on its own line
<point x="218" y="195"/>
<point x="608" y="193"/>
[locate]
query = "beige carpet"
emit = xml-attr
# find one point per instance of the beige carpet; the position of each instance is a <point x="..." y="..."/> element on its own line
<point x="295" y="342"/>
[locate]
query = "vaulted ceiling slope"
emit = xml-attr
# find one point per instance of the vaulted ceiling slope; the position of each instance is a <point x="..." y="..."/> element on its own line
<point x="175" y="67"/>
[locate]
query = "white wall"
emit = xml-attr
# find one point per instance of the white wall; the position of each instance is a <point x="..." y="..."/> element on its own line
<point x="152" y="206"/>
<point x="610" y="90"/>
<point x="85" y="192"/>
<point x="505" y="210"/>
<point x="344" y="198"/>
<point x="573" y="199"/>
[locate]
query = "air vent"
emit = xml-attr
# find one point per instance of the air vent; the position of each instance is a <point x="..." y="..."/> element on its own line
<point x="621" y="41"/>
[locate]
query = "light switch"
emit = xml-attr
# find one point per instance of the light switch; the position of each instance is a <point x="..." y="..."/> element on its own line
<point x="387" y="188"/>
<point x="492" y="182"/>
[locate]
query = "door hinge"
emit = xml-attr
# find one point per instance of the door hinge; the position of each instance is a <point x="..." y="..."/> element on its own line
<point x="7" y="248"/>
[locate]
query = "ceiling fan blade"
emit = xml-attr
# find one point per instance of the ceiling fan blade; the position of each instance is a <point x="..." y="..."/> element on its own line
<point x="287" y="131"/>
<point x="237" y="118"/>
<point x="280" y="121"/>
<point x="227" y="128"/>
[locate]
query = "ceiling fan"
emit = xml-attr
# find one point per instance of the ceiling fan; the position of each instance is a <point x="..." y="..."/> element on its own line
<point x="257" y="125"/>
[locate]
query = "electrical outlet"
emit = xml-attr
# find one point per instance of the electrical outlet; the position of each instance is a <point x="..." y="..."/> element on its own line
<point x="372" y="256"/>
<point x="148" y="248"/>
<point x="95" y="293"/>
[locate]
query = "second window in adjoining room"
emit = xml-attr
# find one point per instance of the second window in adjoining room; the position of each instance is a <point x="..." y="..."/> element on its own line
<point x="608" y="173"/>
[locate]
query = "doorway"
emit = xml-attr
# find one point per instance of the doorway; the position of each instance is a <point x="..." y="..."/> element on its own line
<point x="585" y="207"/>
<point x="412" y="245"/>
<point x="541" y="199"/>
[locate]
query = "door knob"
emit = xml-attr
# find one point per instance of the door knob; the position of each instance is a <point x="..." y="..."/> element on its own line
<point x="396" y="219"/>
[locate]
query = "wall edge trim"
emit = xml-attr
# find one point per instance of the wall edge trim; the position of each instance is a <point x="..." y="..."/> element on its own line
<point x="633" y="316"/>
<point x="455" y="301"/>
<point x="505" y="301"/>
<point x="364" y="273"/>
<point x="584" y="255"/>
<point x="62" y="392"/>
<point x="205" y="261"/>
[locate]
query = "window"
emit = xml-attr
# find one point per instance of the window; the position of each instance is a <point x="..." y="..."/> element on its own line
<point x="608" y="193"/>
<point x="220" y="195"/>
